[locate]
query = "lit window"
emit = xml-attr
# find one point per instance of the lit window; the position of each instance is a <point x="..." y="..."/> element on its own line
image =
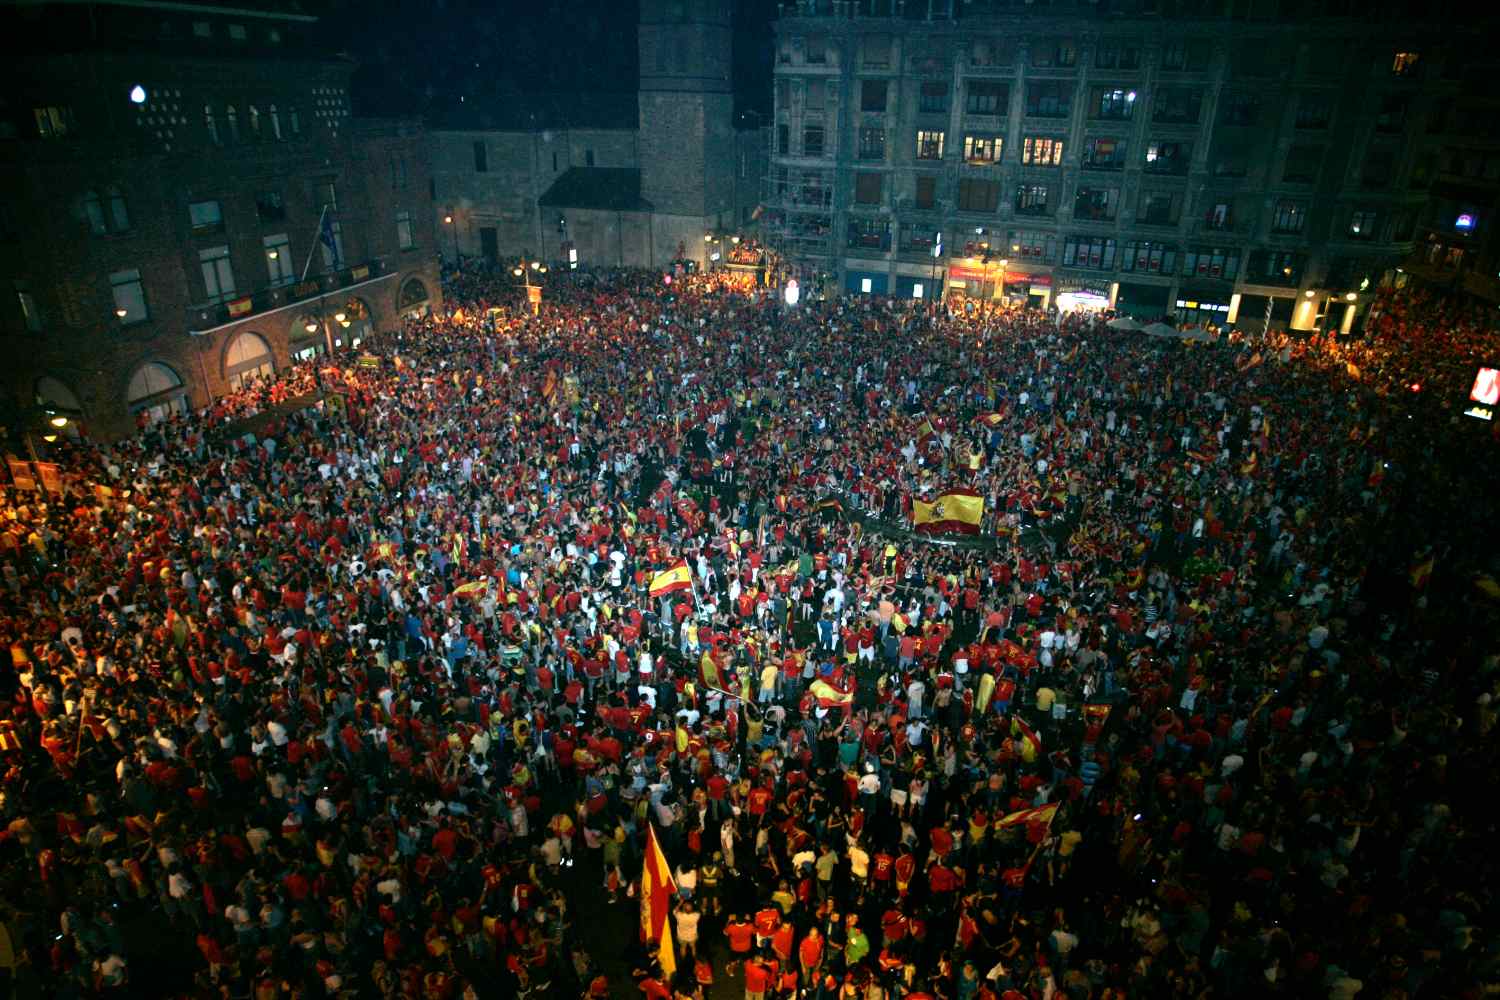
<point x="865" y="285"/>
<point x="1041" y="152"/>
<point x="218" y="274"/>
<point x="1405" y="63"/>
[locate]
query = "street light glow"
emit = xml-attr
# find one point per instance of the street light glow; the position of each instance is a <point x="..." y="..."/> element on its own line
<point x="59" y="421"/>
<point x="137" y="94"/>
<point x="311" y="327"/>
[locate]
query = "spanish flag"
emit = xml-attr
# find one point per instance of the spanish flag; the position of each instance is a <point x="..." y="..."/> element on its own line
<point x="1421" y="572"/>
<point x="991" y="420"/>
<point x="679" y="577"/>
<point x="474" y="588"/>
<point x="958" y="509"/>
<point x="1031" y="743"/>
<point x="829" y="696"/>
<point x="925" y="432"/>
<point x="549" y="385"/>
<point x="1248" y="466"/>
<point x="1136" y="578"/>
<point x="656" y="905"/>
<point x="1041" y="815"/>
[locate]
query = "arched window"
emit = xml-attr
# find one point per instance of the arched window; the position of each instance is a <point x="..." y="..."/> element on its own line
<point x="249" y="358"/>
<point x="156" y="393"/>
<point x="412" y="293"/>
<point x="275" y="123"/>
<point x="233" y="121"/>
<point x="296" y="120"/>
<point x="211" y="124"/>
<point x="254" y="122"/>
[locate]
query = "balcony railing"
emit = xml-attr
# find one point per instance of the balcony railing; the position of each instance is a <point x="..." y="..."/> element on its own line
<point x="206" y="315"/>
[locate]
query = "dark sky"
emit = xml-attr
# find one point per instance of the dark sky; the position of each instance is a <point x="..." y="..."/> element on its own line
<point x="421" y="55"/>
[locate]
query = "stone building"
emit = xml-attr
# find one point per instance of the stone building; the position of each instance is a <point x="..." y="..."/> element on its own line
<point x="174" y="169"/>
<point x="1208" y="159"/>
<point x="616" y="179"/>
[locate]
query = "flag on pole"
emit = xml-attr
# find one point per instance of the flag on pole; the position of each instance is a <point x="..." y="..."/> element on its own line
<point x="657" y="889"/>
<point x="679" y="577"/>
<point x="958" y="509"/>
<point x="328" y="238"/>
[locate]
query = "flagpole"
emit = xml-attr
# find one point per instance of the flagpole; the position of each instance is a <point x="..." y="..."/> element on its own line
<point x="313" y="248"/>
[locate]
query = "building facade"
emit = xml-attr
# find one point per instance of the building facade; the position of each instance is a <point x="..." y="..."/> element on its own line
<point x="612" y="180"/>
<point x="1219" y="168"/>
<point x="194" y="206"/>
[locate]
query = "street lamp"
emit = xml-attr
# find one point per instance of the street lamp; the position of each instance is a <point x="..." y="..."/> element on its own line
<point x="452" y="229"/>
<point x="59" y="421"/>
<point x="1003" y="264"/>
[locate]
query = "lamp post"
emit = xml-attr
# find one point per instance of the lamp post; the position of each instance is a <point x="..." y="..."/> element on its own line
<point x="1004" y="263"/>
<point x="453" y="231"/>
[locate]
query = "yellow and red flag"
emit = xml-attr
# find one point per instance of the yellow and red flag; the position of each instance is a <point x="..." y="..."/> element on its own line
<point x="657" y="889"/>
<point x="1421" y="572"/>
<point x="1041" y="815"/>
<point x="957" y="509"/>
<point x="1031" y="743"/>
<point x="679" y="577"/>
<point x="829" y="696"/>
<point x="474" y="588"/>
<point x="549" y="385"/>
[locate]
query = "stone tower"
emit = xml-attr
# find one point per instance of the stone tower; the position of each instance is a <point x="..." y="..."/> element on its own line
<point x="686" y="127"/>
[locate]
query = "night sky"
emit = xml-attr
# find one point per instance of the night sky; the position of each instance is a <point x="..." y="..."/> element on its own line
<point x="420" y="56"/>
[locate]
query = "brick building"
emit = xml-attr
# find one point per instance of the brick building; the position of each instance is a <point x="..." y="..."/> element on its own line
<point x="1209" y="159"/>
<point x="170" y="164"/>
<point x="620" y="179"/>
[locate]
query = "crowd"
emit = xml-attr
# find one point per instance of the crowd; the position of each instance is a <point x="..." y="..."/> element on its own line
<point x="379" y="701"/>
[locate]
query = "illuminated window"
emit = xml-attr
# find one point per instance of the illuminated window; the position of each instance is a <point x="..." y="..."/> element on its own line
<point x="1405" y="63"/>
<point x="1038" y="151"/>
<point x="982" y="148"/>
<point x="930" y="144"/>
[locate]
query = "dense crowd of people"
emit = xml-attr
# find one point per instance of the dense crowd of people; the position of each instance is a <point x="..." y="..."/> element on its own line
<point x="378" y="701"/>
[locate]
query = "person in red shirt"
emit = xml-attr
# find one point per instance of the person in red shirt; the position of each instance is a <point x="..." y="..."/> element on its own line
<point x="758" y="976"/>
<point x="766" y="922"/>
<point x="810" y="953"/>
<point x="741" y="935"/>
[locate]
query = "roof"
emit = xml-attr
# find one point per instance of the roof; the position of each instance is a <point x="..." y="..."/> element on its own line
<point x="536" y="111"/>
<point x="613" y="189"/>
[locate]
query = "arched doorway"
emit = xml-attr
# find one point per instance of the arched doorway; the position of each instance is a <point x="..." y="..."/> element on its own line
<point x="306" y="339"/>
<point x="156" y="392"/>
<point x="352" y="324"/>
<point x="248" y="359"/>
<point x="413" y="300"/>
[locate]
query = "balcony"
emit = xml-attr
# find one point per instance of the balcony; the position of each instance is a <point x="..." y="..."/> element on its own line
<point x="912" y="205"/>
<point x="206" y="315"/>
<point x="1226" y="227"/>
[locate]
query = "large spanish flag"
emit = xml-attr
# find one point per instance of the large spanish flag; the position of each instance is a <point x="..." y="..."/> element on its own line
<point x="958" y="509"/>
<point x="657" y="890"/>
<point x="678" y="577"/>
